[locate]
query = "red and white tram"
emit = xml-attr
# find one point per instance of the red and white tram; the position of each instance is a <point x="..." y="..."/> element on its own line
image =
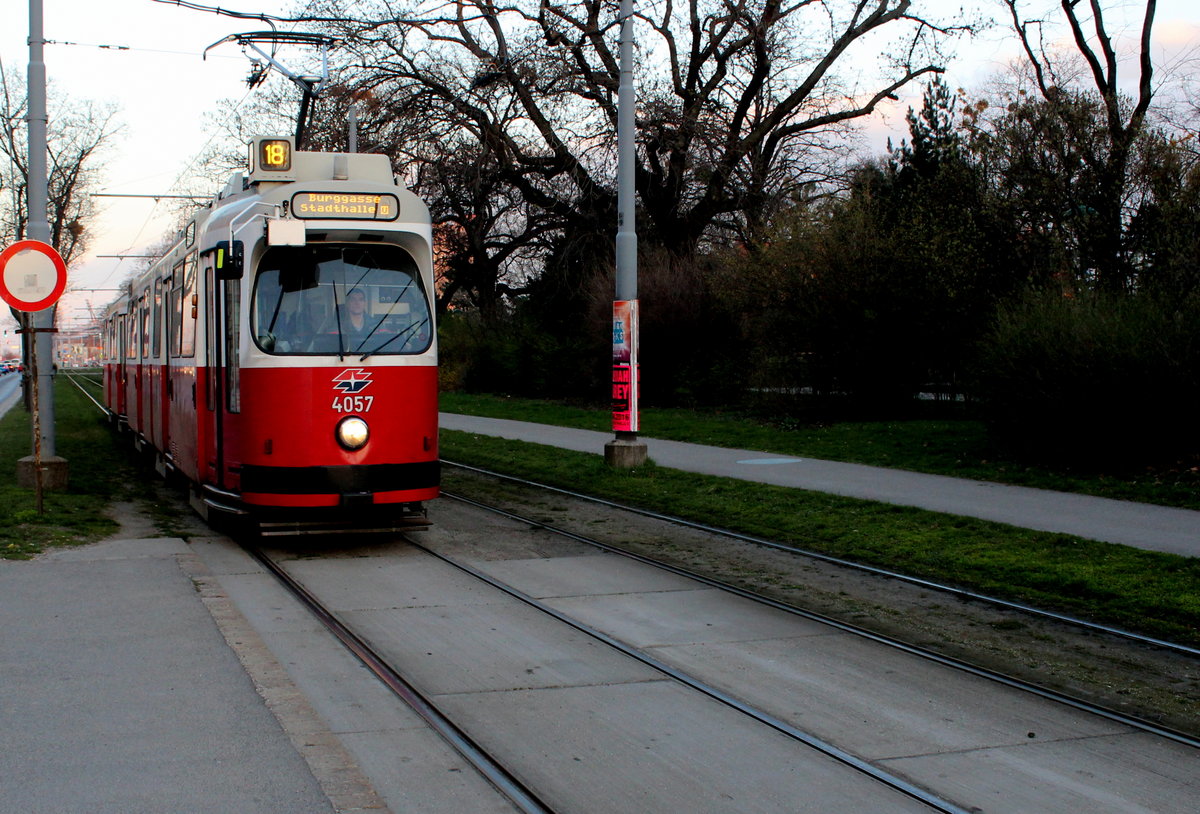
<point x="282" y="355"/>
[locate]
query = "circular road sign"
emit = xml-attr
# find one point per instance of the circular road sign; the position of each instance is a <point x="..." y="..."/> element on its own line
<point x="32" y="275"/>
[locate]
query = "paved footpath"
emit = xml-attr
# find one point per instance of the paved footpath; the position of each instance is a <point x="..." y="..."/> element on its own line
<point x="121" y="696"/>
<point x="1140" y="525"/>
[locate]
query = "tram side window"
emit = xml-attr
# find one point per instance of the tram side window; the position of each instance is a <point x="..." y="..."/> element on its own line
<point x="188" y="340"/>
<point x="183" y="308"/>
<point x="145" y="326"/>
<point x="175" y="329"/>
<point x="156" y="320"/>
<point x="131" y="322"/>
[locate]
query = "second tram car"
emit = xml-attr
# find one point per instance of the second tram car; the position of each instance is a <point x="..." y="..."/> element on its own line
<point x="281" y="356"/>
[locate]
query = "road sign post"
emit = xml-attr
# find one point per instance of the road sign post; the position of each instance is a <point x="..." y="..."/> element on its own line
<point x="40" y="320"/>
<point x="32" y="278"/>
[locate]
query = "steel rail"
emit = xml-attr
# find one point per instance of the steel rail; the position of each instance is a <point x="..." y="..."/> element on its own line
<point x="948" y="661"/>
<point x="778" y="724"/>
<point x="520" y="796"/>
<point x="88" y="379"/>
<point x="512" y="788"/>
<point x="962" y="593"/>
<point x="71" y="377"/>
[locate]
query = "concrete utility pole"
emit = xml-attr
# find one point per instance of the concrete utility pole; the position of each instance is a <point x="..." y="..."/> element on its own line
<point x="41" y="323"/>
<point x="626" y="451"/>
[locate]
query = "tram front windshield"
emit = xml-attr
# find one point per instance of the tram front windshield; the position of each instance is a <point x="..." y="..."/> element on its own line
<point x="340" y="299"/>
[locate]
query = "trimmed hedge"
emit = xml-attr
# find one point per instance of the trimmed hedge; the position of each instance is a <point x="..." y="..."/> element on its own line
<point x="1096" y="379"/>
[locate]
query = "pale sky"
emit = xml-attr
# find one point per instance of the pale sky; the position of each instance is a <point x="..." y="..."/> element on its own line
<point x="162" y="89"/>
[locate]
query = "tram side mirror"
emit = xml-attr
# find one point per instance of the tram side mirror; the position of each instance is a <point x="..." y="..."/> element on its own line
<point x="229" y="262"/>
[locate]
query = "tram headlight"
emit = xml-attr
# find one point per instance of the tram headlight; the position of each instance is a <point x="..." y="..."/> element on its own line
<point x="352" y="433"/>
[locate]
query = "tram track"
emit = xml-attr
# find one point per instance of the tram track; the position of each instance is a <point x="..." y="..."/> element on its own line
<point x="932" y="585"/>
<point x="526" y="800"/>
<point x="809" y="554"/>
<point x="923" y="653"/>
<point x="491" y="767"/>
<point x="508" y="554"/>
<point x="75" y="379"/>
<point x="887" y="778"/>
<point x="486" y="764"/>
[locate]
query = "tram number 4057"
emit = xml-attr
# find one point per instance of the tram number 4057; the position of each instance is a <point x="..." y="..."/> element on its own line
<point x="353" y="404"/>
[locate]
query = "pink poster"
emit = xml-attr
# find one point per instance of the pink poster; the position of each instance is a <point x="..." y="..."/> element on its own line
<point x="625" y="366"/>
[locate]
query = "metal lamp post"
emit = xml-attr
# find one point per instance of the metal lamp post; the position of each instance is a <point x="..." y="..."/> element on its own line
<point x="625" y="450"/>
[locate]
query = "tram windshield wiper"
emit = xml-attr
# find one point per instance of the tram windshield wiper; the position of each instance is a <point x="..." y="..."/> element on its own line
<point x="405" y="333"/>
<point x="383" y="317"/>
<point x="337" y="315"/>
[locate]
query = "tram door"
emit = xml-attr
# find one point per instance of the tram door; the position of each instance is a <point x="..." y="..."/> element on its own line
<point x="119" y="364"/>
<point x="210" y="415"/>
<point x="230" y="398"/>
<point x="181" y="372"/>
<point x="158" y="412"/>
<point x="145" y="408"/>
<point x="131" y="366"/>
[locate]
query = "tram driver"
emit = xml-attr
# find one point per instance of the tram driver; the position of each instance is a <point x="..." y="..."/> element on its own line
<point x="355" y="328"/>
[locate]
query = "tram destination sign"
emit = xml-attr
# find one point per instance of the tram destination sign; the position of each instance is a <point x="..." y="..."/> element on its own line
<point x="32" y="275"/>
<point x="345" y="206"/>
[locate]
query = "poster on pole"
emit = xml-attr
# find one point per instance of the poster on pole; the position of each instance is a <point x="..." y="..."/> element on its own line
<point x="625" y="366"/>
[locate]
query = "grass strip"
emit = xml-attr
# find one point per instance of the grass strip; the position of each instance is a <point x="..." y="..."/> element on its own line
<point x="101" y="471"/>
<point x="1154" y="593"/>
<point x="957" y="448"/>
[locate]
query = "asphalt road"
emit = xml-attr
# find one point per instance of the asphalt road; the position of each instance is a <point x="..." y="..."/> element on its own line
<point x="10" y="391"/>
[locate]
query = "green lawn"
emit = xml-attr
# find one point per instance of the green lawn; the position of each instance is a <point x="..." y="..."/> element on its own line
<point x="956" y="448"/>
<point x="101" y="471"/>
<point x="1158" y="594"/>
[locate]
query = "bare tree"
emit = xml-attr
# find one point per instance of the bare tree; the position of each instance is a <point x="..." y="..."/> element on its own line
<point x="75" y="145"/>
<point x="1122" y="122"/>
<point x="505" y="113"/>
<point x="488" y="239"/>
<point x="734" y="93"/>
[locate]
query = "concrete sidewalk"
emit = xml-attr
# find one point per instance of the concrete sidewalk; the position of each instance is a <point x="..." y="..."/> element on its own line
<point x="120" y="694"/>
<point x="1140" y="525"/>
<point x="131" y="684"/>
